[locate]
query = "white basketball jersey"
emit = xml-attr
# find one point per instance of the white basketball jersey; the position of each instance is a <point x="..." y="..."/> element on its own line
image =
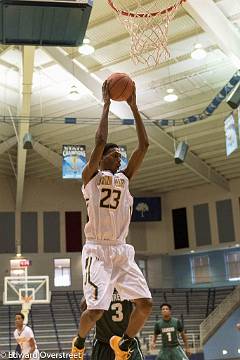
<point x="109" y="205"/>
<point x="23" y="339"/>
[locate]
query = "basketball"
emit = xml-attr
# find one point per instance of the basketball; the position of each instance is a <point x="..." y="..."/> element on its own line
<point x="120" y="86"/>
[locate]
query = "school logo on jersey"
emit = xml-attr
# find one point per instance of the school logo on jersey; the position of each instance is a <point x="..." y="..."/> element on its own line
<point x="147" y="209"/>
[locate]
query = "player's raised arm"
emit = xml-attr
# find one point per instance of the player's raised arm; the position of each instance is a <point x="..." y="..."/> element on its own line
<point x="139" y="153"/>
<point x="100" y="139"/>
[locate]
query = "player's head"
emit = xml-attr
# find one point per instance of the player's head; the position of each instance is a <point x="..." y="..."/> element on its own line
<point x="19" y="319"/>
<point x="166" y="310"/>
<point x="111" y="158"/>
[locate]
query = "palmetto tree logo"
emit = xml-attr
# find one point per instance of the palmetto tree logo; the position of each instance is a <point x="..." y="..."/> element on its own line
<point x="142" y="207"/>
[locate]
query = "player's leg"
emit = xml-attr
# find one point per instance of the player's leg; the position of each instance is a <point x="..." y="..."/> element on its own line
<point x="131" y="285"/>
<point x="179" y="353"/>
<point x="136" y="352"/>
<point x="97" y="288"/>
<point x="102" y="351"/>
<point x="165" y="354"/>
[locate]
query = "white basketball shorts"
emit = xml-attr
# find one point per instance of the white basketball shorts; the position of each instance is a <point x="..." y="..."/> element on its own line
<point x="106" y="267"/>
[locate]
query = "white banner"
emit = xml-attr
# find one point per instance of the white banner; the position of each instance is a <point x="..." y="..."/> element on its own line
<point x="231" y="135"/>
<point x="124" y="158"/>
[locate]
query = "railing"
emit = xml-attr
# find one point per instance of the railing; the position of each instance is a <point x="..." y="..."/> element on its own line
<point x="9" y="328"/>
<point x="75" y="317"/>
<point x="217" y="317"/>
<point x="55" y="328"/>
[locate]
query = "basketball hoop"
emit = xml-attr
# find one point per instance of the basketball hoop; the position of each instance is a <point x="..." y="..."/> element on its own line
<point x="26" y="299"/>
<point x="147" y="25"/>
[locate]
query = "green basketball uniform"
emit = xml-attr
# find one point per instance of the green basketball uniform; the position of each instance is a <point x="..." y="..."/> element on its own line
<point x="114" y="322"/>
<point x="171" y="349"/>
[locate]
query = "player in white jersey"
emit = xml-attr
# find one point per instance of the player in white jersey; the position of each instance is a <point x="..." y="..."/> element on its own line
<point x="25" y="339"/>
<point x="107" y="261"/>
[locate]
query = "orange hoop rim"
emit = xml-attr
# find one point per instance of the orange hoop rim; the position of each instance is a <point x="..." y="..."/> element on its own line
<point x="27" y="299"/>
<point x="127" y="13"/>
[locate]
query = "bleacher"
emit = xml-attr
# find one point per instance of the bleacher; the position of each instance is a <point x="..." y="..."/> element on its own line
<point x="55" y="324"/>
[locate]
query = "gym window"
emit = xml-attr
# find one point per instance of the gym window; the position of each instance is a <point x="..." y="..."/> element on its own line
<point x="143" y="266"/>
<point x="62" y="272"/>
<point x="200" y="269"/>
<point x="232" y="262"/>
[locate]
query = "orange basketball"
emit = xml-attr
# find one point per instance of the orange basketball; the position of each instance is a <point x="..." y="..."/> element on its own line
<point x="120" y="86"/>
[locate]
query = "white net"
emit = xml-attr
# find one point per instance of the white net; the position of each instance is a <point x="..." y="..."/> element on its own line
<point x="147" y="23"/>
<point x="26" y="307"/>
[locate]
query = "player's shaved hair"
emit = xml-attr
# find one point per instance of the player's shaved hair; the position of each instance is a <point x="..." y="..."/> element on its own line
<point x="109" y="146"/>
<point x="166" y="304"/>
<point x="20" y="314"/>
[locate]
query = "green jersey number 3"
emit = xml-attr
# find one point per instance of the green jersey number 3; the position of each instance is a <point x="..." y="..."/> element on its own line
<point x="118" y="316"/>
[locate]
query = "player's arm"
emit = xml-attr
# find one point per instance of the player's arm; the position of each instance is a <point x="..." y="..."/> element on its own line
<point x="32" y="348"/>
<point x="100" y="139"/>
<point x="138" y="154"/>
<point x="185" y="341"/>
<point x="155" y="336"/>
<point x="32" y="345"/>
<point x="154" y="341"/>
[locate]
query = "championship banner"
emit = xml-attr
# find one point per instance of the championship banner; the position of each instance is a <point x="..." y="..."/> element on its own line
<point x="73" y="161"/>
<point x="231" y="135"/>
<point x="147" y="209"/>
<point x="124" y="159"/>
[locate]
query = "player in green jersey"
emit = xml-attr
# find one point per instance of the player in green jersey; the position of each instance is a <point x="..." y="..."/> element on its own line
<point x="113" y="322"/>
<point x="170" y="328"/>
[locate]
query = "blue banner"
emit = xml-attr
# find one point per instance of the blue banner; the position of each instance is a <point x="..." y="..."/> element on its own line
<point x="124" y="158"/>
<point x="147" y="209"/>
<point x="74" y="161"/>
<point x="231" y="135"/>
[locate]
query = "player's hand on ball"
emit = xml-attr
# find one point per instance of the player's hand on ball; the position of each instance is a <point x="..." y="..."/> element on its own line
<point x="238" y="326"/>
<point x="105" y="93"/>
<point x="132" y="99"/>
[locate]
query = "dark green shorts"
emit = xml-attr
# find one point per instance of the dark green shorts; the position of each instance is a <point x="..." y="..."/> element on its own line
<point x="103" y="351"/>
<point x="174" y="353"/>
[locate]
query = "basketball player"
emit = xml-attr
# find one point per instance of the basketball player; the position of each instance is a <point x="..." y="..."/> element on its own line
<point x="107" y="261"/>
<point x="25" y="339"/>
<point x="169" y="328"/>
<point x="113" y="321"/>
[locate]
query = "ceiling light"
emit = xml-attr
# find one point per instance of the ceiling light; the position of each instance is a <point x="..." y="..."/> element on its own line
<point x="238" y="350"/>
<point x="86" y="48"/>
<point x="192" y="251"/>
<point x="18" y="255"/>
<point x="73" y="93"/>
<point x="198" y="53"/>
<point x="224" y="352"/>
<point x="171" y="96"/>
<point x="237" y="245"/>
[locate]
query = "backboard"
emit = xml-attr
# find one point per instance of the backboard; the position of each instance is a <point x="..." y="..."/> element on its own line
<point x="19" y="289"/>
<point x="44" y="23"/>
